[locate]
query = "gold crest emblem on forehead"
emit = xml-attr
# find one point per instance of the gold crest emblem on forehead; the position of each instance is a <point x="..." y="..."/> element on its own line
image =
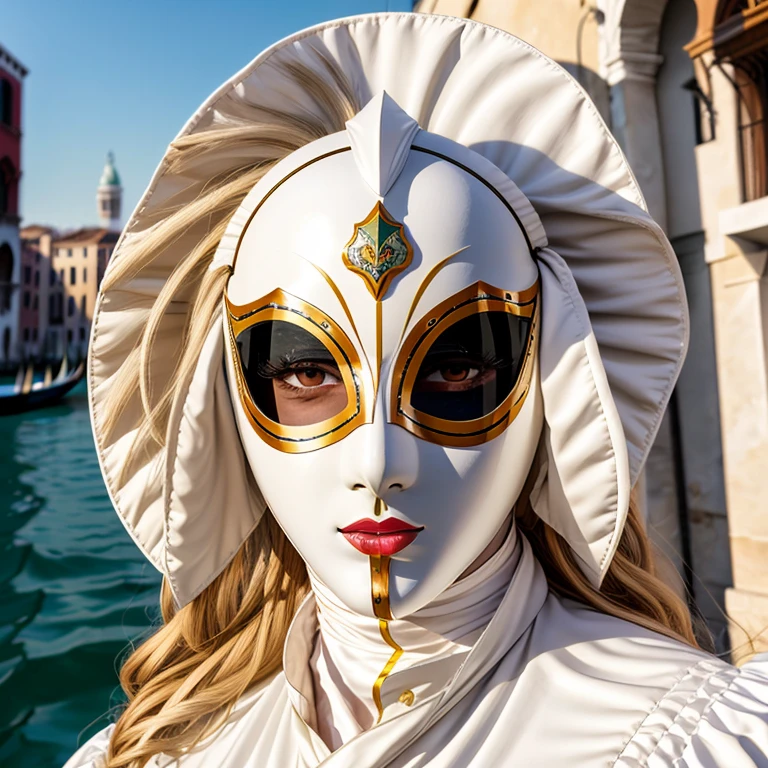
<point x="378" y="250"/>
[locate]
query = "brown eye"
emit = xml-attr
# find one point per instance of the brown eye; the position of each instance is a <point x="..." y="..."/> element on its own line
<point x="471" y="366"/>
<point x="291" y="375"/>
<point x="312" y="377"/>
<point x="455" y="372"/>
<point x="450" y="372"/>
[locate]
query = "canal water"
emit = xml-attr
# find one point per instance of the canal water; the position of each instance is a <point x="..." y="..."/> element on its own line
<point x="75" y="591"/>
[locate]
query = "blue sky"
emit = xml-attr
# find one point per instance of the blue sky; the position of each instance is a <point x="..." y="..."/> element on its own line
<point x="124" y="76"/>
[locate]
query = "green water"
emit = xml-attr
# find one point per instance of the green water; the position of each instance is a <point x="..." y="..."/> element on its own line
<point x="74" y="589"/>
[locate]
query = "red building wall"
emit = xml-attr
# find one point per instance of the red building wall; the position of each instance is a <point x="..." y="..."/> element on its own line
<point x="10" y="142"/>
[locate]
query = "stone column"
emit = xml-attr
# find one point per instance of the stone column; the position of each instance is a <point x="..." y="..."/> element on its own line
<point x="629" y="63"/>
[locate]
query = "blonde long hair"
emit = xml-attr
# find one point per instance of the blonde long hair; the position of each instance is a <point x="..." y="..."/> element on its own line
<point x="183" y="681"/>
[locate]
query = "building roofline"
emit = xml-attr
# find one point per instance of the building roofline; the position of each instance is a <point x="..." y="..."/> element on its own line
<point x="6" y="57"/>
<point x="35" y="231"/>
<point x="87" y="236"/>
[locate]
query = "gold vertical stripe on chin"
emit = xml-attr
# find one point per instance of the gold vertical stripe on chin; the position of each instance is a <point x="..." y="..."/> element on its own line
<point x="388" y="667"/>
<point x="380" y="586"/>
<point x="379" y="506"/>
<point x="380" y="601"/>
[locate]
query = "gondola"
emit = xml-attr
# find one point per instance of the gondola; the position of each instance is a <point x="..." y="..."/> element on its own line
<point x="26" y="394"/>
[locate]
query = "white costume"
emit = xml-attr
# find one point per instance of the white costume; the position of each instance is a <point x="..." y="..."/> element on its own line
<point x="475" y="203"/>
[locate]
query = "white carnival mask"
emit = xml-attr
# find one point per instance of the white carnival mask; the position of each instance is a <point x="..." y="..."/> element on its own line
<point x="606" y="348"/>
<point x="382" y="317"/>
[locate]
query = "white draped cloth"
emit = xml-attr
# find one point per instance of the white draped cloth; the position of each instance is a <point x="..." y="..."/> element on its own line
<point x="503" y="673"/>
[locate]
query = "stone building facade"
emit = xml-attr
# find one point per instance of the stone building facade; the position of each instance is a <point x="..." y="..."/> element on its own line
<point x="78" y="261"/>
<point x="683" y="85"/>
<point x="60" y="278"/>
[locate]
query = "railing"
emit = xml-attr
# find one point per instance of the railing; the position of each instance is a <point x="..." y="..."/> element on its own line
<point x="750" y="80"/>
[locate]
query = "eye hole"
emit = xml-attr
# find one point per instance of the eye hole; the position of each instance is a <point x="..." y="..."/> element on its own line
<point x="291" y="375"/>
<point x="471" y="367"/>
<point x="310" y="376"/>
<point x="450" y="375"/>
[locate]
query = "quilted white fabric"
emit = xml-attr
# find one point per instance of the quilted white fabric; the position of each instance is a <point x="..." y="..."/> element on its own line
<point x="547" y="684"/>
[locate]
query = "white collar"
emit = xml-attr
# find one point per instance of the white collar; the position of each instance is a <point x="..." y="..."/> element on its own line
<point x="524" y="596"/>
<point x="350" y="652"/>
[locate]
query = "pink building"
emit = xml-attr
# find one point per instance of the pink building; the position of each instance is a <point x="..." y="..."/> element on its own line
<point x="34" y="290"/>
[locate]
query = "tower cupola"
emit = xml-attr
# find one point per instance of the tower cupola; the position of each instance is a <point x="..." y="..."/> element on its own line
<point x="109" y="195"/>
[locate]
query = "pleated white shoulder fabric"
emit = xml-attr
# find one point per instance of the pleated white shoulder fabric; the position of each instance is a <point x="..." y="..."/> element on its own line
<point x="547" y="683"/>
<point x="614" y="314"/>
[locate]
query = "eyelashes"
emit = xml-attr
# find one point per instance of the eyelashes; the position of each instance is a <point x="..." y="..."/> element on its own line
<point x="286" y="364"/>
<point x="268" y="369"/>
<point x="487" y="360"/>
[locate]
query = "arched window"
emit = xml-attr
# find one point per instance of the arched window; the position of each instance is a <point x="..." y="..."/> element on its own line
<point x="751" y="76"/>
<point x="6" y="277"/>
<point x="743" y="45"/>
<point x="6" y="102"/>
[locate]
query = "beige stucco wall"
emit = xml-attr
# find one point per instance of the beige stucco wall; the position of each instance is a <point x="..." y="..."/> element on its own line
<point x="84" y="260"/>
<point x="740" y="304"/>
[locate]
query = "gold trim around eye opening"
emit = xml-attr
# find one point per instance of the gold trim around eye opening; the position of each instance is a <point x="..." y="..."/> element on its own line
<point x="280" y="305"/>
<point x="479" y="297"/>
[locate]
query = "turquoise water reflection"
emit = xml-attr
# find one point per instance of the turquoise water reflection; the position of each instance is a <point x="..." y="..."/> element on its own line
<point x="74" y="589"/>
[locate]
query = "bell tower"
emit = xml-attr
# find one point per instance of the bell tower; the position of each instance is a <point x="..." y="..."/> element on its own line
<point x="109" y="196"/>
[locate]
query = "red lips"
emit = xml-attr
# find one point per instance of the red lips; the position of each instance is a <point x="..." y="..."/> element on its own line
<point x="380" y="538"/>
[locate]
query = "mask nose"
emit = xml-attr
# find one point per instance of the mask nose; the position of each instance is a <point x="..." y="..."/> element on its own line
<point x="380" y="457"/>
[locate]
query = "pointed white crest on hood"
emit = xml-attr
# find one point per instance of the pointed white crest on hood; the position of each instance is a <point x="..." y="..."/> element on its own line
<point x="380" y="135"/>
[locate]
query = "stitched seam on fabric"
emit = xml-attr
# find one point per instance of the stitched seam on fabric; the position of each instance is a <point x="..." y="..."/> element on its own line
<point x="484" y="29"/>
<point x="101" y="450"/>
<point x="686" y="674"/>
<point x="207" y="582"/>
<point x="667" y="392"/>
<point x="569" y="278"/>
<point x="169" y="468"/>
